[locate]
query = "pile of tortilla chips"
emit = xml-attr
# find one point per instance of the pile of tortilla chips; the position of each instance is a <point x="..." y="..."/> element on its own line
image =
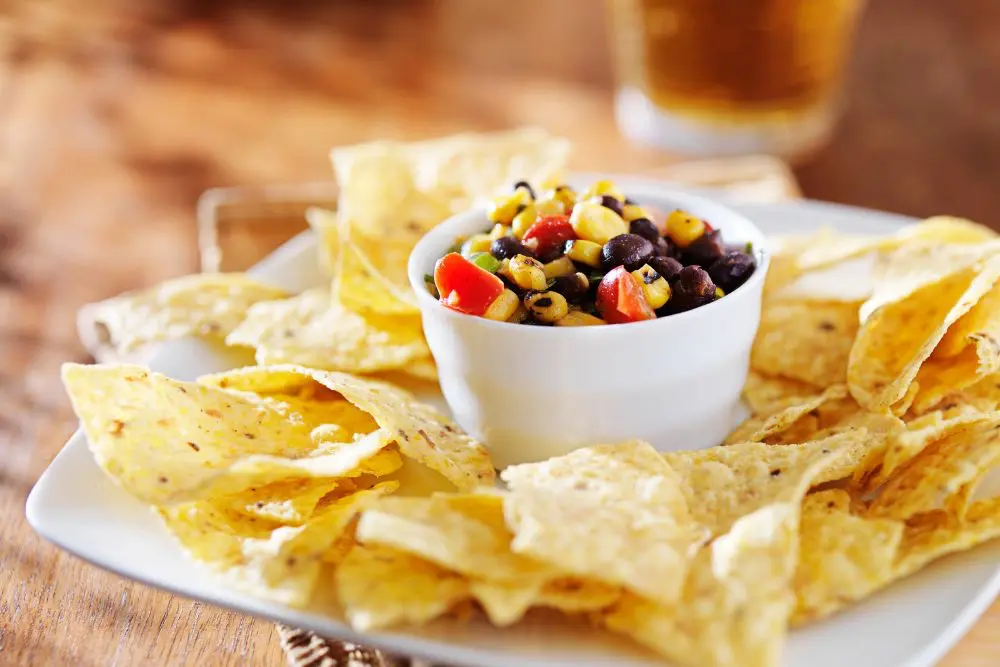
<point x="311" y="481"/>
<point x="365" y="320"/>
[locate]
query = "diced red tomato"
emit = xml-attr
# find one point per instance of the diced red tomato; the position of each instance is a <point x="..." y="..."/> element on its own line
<point x="620" y="298"/>
<point x="551" y="232"/>
<point x="465" y="287"/>
<point x="708" y="228"/>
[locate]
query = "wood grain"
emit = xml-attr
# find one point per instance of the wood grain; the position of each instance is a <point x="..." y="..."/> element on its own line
<point x="116" y="114"/>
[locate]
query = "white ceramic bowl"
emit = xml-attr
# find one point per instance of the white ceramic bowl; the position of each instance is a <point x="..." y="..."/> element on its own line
<point x="533" y="392"/>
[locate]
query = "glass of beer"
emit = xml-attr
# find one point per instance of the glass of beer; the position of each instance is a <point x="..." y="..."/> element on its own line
<point x="731" y="77"/>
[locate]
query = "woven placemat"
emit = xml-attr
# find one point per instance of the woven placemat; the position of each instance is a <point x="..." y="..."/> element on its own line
<point x="239" y="226"/>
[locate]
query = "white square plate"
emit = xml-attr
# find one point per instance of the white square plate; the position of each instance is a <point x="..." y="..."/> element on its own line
<point x="912" y="624"/>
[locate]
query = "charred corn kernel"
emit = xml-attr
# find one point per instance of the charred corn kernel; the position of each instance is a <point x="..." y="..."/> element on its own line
<point x="593" y="222"/>
<point x="632" y="212"/>
<point x="550" y="207"/>
<point x="524" y="220"/>
<point x="476" y="243"/>
<point x="654" y="286"/>
<point x="683" y="228"/>
<point x="559" y="267"/>
<point x="564" y="194"/>
<point x="601" y="188"/>
<point x="527" y="273"/>
<point x="578" y="318"/>
<point x="503" y="306"/>
<point x="719" y="293"/>
<point x="520" y="315"/>
<point x="498" y="231"/>
<point x="505" y="207"/>
<point x="585" y="252"/>
<point x="547" y="307"/>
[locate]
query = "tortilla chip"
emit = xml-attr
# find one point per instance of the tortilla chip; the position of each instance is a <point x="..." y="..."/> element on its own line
<point x="371" y="277"/>
<point x="722" y="484"/>
<point x="968" y="352"/>
<point x="166" y="441"/>
<point x="289" y="502"/>
<point x="938" y="534"/>
<point x="435" y="530"/>
<point x="612" y="513"/>
<point x="906" y="443"/>
<point x="572" y="595"/>
<point x="842" y="557"/>
<point x="421" y="432"/>
<point x="311" y="330"/>
<point x="806" y="340"/>
<point x="762" y="428"/>
<point x="941" y="470"/>
<point x="208" y="305"/>
<point x="380" y="587"/>
<point x="278" y="563"/>
<point x="736" y="601"/>
<point x="505" y="603"/>
<point x="910" y="312"/>
<point x="766" y="394"/>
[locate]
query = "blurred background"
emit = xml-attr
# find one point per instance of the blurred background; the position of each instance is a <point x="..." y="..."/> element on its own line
<point x="119" y="113"/>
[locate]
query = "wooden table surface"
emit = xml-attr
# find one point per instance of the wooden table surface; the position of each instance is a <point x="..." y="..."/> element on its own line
<point x="117" y="114"/>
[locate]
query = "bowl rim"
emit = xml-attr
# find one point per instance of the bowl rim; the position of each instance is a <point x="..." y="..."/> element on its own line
<point x="430" y="241"/>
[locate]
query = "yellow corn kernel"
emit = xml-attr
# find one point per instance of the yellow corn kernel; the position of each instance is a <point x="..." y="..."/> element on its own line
<point x="547" y="307"/>
<point x="564" y="194"/>
<point x="578" y="318"/>
<point x="476" y="243"/>
<point x="527" y="273"/>
<point x="503" y="306"/>
<point x="593" y="222"/>
<point x="601" y="188"/>
<point x="585" y="252"/>
<point x="498" y="231"/>
<point x="550" y="207"/>
<point x="524" y="220"/>
<point x="505" y="207"/>
<point x="719" y="293"/>
<point x="632" y="212"/>
<point x="654" y="286"/>
<point x="683" y="228"/>
<point x="559" y="267"/>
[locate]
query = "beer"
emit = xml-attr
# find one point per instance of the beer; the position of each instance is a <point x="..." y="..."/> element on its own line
<point x="758" y="71"/>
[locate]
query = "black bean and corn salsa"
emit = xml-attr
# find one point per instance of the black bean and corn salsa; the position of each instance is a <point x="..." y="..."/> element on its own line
<point x="564" y="258"/>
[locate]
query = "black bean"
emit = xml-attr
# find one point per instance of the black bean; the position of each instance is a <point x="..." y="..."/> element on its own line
<point x="704" y="251"/>
<point x="668" y="267"/>
<point x="732" y="270"/>
<point x="691" y="288"/>
<point x="629" y="202"/>
<point x="645" y="228"/>
<point x="506" y="247"/>
<point x="573" y="287"/>
<point x="526" y="186"/>
<point x="628" y="250"/>
<point x="607" y="201"/>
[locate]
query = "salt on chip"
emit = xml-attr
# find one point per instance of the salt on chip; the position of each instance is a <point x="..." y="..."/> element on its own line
<point x="209" y="305"/>
<point x="279" y="563"/>
<point x="808" y="341"/>
<point x="905" y="324"/>
<point x="612" y="513"/>
<point x="312" y="330"/>
<point x="421" y="433"/>
<point x="761" y="428"/>
<point x="722" y="484"/>
<point x="842" y="557"/>
<point x="381" y="587"/>
<point x="941" y="470"/>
